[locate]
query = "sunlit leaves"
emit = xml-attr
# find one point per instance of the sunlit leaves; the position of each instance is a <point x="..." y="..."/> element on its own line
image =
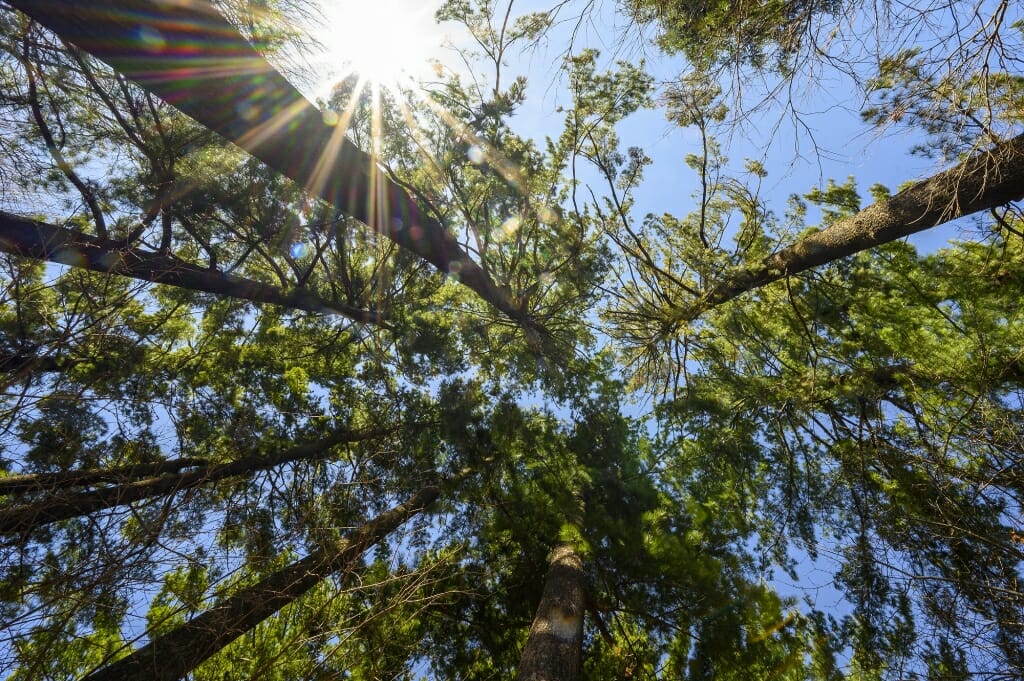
<point x="759" y="34"/>
<point x="864" y="415"/>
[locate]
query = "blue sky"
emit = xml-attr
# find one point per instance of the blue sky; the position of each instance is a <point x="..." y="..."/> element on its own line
<point x="845" y="144"/>
<point x="829" y="105"/>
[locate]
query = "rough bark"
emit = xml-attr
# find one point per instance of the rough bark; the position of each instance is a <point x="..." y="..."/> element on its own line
<point x="40" y="241"/>
<point x="154" y="44"/>
<point x="24" y="518"/>
<point x="173" y="655"/>
<point x="554" y="650"/>
<point x="986" y="180"/>
<point x="44" y="482"/>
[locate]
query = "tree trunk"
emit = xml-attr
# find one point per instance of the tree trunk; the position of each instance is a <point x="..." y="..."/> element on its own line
<point x="48" y="482"/>
<point x="554" y="651"/>
<point x="25" y="518"/>
<point x="280" y="127"/>
<point x="988" y="179"/>
<point x="41" y="241"/>
<point x="175" y="654"/>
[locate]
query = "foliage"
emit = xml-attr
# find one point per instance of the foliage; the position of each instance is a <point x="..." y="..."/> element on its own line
<point x="861" y="418"/>
<point x="760" y="34"/>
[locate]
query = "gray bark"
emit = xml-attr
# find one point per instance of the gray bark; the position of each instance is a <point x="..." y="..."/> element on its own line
<point x="173" y="655"/>
<point x="280" y="127"/>
<point x="988" y="179"/>
<point x="40" y="241"/>
<point x="47" y="482"/>
<point x="24" y="518"/>
<point x="554" y="650"/>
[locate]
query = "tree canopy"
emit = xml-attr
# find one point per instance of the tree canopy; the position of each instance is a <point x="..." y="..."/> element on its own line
<point x="380" y="387"/>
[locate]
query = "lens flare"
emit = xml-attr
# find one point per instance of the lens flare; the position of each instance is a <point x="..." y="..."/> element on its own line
<point x="384" y="41"/>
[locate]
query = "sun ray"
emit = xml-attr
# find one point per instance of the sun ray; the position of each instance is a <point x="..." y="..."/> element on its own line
<point x="385" y="41"/>
<point x="273" y="126"/>
<point x="480" y="151"/>
<point x="419" y="138"/>
<point x="339" y="122"/>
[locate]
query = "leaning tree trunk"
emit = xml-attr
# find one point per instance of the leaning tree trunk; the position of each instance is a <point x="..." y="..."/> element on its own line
<point x="280" y="128"/>
<point x="24" y="518"/>
<point x="173" y="655"/>
<point x="554" y="650"/>
<point x="41" y="241"/>
<point x="986" y="180"/>
<point x="30" y="483"/>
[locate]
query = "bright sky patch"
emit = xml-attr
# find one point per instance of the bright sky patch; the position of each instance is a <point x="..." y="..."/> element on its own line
<point x="384" y="41"/>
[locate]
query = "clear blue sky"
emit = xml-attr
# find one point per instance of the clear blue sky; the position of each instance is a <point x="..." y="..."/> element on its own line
<point x="846" y="145"/>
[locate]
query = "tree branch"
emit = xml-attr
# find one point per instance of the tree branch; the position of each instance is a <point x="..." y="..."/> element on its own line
<point x="280" y="127"/>
<point x="988" y="179"/>
<point x="24" y="518"/>
<point x="41" y="241"/>
<point x="173" y="655"/>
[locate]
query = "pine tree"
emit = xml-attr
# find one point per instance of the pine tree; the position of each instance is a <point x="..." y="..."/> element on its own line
<point x="234" y="336"/>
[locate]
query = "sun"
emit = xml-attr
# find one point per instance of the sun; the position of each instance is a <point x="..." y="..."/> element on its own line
<point x="386" y="42"/>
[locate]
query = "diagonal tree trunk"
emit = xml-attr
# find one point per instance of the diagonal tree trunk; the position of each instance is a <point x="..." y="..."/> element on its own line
<point x="173" y="655"/>
<point x="554" y="650"/>
<point x="40" y="241"/>
<point x="988" y="179"/>
<point x="280" y="127"/>
<point x="49" y="482"/>
<point x="24" y="518"/>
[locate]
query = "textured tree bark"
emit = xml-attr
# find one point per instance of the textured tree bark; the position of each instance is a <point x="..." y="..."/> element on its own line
<point x="24" y="518"/>
<point x="230" y="88"/>
<point x="45" y="482"/>
<point x="554" y="650"/>
<point x="41" y="241"/>
<point x="175" y="654"/>
<point x="988" y="179"/>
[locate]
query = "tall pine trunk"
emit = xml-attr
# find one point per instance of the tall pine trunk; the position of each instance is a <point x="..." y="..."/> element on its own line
<point x="41" y="241"/>
<point x="988" y="179"/>
<point x="24" y="518"/>
<point x="50" y="482"/>
<point x="300" y="146"/>
<point x="173" y="655"/>
<point x="554" y="650"/>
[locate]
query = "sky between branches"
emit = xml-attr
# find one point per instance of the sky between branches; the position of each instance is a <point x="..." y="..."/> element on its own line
<point x="819" y="137"/>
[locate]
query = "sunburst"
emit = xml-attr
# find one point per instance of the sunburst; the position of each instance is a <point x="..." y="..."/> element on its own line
<point x="385" y="42"/>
